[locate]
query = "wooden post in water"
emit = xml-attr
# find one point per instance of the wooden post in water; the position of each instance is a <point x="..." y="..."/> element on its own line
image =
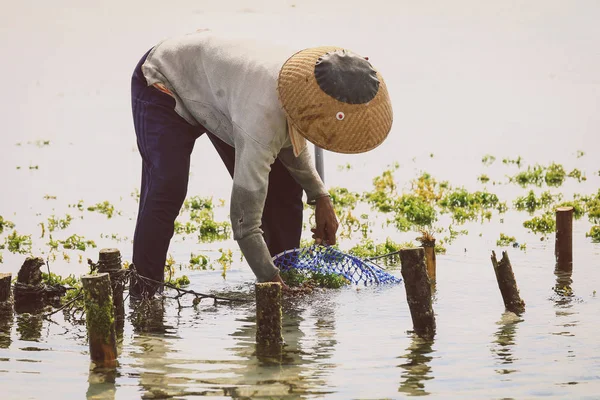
<point x="109" y="261"/>
<point x="418" y="291"/>
<point x="507" y="284"/>
<point x="563" y="245"/>
<point x="100" y="319"/>
<point x="269" y="340"/>
<point x="5" y="294"/>
<point x="29" y="291"/>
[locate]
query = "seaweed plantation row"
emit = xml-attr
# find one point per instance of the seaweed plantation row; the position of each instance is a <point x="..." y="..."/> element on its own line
<point x="425" y="205"/>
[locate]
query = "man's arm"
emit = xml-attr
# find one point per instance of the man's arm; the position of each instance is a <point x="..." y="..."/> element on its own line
<point x="250" y="183"/>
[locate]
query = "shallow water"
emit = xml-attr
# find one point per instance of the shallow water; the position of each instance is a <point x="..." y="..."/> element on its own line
<point x="467" y="79"/>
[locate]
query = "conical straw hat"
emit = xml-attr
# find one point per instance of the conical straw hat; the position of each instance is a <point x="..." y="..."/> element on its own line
<point x="335" y="99"/>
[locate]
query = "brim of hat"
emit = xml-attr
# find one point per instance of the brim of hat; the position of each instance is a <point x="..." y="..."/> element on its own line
<point x="313" y="113"/>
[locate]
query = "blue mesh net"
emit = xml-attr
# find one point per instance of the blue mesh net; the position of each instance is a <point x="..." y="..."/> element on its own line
<point x="332" y="261"/>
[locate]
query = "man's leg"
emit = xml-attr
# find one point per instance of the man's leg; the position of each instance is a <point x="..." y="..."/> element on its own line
<point x="282" y="215"/>
<point x="165" y="141"/>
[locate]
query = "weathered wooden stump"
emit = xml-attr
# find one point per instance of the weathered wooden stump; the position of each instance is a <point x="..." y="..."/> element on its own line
<point x="100" y="319"/>
<point x="418" y="291"/>
<point x="563" y="245"/>
<point x="508" y="284"/>
<point x="109" y="261"/>
<point x="29" y="291"/>
<point x="269" y="340"/>
<point x="5" y="292"/>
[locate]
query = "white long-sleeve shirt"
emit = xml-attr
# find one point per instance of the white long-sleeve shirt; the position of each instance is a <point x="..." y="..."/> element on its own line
<point x="229" y="86"/>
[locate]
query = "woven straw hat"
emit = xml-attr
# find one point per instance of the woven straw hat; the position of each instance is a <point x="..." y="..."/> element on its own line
<point x="335" y="99"/>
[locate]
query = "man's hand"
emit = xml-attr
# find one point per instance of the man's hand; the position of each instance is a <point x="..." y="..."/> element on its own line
<point x="327" y="223"/>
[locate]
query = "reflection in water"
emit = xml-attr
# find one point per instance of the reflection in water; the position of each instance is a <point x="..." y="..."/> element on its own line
<point x="563" y="300"/>
<point x="416" y="369"/>
<point x="505" y="340"/>
<point x="562" y="288"/>
<point x="101" y="383"/>
<point x="6" y="324"/>
<point x="29" y="326"/>
<point x="295" y="373"/>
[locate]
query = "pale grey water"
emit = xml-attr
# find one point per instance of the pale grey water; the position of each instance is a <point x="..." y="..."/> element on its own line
<point x="467" y="78"/>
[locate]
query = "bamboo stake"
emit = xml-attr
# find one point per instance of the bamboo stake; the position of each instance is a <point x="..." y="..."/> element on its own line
<point x="563" y="245"/>
<point x="100" y="319"/>
<point x="269" y="340"/>
<point x="507" y="284"/>
<point x="418" y="291"/>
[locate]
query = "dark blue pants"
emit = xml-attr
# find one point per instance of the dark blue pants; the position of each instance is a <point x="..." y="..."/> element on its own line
<point x="165" y="141"/>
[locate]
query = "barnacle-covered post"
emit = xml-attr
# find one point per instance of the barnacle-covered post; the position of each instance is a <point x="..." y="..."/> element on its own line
<point x="269" y="340"/>
<point x="5" y="294"/>
<point x="100" y="319"/>
<point x="418" y="291"/>
<point x="109" y="260"/>
<point x="563" y="246"/>
<point x="508" y="284"/>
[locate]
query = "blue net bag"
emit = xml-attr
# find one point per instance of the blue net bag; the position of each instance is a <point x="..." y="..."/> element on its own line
<point x="329" y="260"/>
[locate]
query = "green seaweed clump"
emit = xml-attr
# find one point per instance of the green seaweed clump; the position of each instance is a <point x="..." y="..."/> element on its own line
<point x="577" y="174"/>
<point x="369" y="249"/>
<point x="465" y="206"/>
<point x="77" y="242"/>
<point x="594" y="233"/>
<point x="5" y="224"/>
<point x="517" y="161"/>
<point x="546" y="223"/>
<point x="428" y="188"/>
<point x="199" y="261"/>
<point x="592" y="206"/>
<point x="488" y="159"/>
<point x="505" y="240"/>
<point x="342" y="198"/>
<point x="533" y="176"/>
<point x="57" y="223"/>
<point x="103" y="208"/>
<point x="483" y="178"/>
<point x="198" y="203"/>
<point x="301" y="278"/>
<point x="55" y="279"/>
<point x="412" y="210"/>
<point x="531" y="203"/>
<point x="16" y="243"/>
<point x="555" y="175"/>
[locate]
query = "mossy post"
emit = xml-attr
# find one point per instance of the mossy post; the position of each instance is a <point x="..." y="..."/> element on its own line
<point x="109" y="260"/>
<point x="5" y="294"/>
<point x="563" y="246"/>
<point x="269" y="340"/>
<point x="508" y="284"/>
<point x="100" y="319"/>
<point x="418" y="291"/>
